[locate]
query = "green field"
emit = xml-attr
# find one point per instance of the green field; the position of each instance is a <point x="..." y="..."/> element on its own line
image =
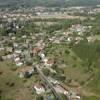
<point x="91" y="98"/>
<point x="75" y="66"/>
<point x="12" y="87"/>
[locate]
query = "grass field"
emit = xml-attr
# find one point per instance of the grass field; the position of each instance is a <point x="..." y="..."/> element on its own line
<point x="76" y="70"/>
<point x="73" y="68"/>
<point x="91" y="98"/>
<point x="12" y="87"/>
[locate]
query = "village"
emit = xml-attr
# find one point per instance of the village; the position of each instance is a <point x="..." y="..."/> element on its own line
<point x="49" y="52"/>
<point x="28" y="51"/>
<point x="46" y="12"/>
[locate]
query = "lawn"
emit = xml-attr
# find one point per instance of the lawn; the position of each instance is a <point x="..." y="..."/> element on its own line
<point x="91" y="98"/>
<point x="73" y="64"/>
<point x="94" y="85"/>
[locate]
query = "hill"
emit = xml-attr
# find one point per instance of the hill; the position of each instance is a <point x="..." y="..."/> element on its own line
<point x="51" y="3"/>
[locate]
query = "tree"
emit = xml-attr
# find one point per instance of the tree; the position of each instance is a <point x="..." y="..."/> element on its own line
<point x="27" y="75"/>
<point x="67" y="51"/>
<point x="39" y="98"/>
<point x="46" y="71"/>
<point x="1" y="58"/>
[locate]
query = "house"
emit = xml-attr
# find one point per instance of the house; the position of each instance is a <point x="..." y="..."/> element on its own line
<point x="36" y="50"/>
<point x="73" y="95"/>
<point x="15" y="45"/>
<point x="39" y="9"/>
<point x="13" y="38"/>
<point x="48" y="62"/>
<point x="24" y="36"/>
<point x="53" y="81"/>
<point x="90" y="39"/>
<point x="40" y="44"/>
<point x="78" y="28"/>
<point x="69" y="39"/>
<point x="9" y="49"/>
<point x="58" y="88"/>
<point x="17" y="59"/>
<point x="19" y="64"/>
<point x="42" y="55"/>
<point x="39" y="88"/>
<point x="27" y="40"/>
<point x="33" y="37"/>
<point x="9" y="56"/>
<point x="2" y="49"/>
<point x="67" y="33"/>
<point x="15" y="55"/>
<point x="56" y="41"/>
<point x="4" y="57"/>
<point x="18" y="51"/>
<point x="45" y="60"/>
<point x="25" y="71"/>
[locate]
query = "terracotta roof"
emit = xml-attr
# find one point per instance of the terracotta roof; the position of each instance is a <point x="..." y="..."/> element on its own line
<point x="50" y="61"/>
<point x="38" y="86"/>
<point x="36" y="50"/>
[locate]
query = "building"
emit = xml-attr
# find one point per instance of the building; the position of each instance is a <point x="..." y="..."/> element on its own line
<point x="9" y="49"/>
<point x="39" y="88"/>
<point x="25" y="71"/>
<point x="60" y="89"/>
<point x="19" y="64"/>
<point x="36" y="50"/>
<point x="48" y="62"/>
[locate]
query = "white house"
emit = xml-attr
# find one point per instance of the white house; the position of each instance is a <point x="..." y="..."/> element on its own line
<point x="19" y="64"/>
<point x="15" y="44"/>
<point x="18" y="51"/>
<point x="39" y="88"/>
<point x="42" y="55"/>
<point x="2" y="49"/>
<point x="48" y="62"/>
<point x="17" y="59"/>
<point x="24" y="36"/>
<point x="13" y="38"/>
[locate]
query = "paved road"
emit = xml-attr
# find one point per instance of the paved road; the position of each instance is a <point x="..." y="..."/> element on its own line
<point x="58" y="97"/>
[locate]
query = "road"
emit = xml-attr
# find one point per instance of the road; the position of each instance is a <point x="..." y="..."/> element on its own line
<point x="58" y="97"/>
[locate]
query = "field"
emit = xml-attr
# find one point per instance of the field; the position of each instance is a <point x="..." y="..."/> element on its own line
<point x="12" y="87"/>
<point x="59" y="16"/>
<point x="91" y="98"/>
<point x="75" y="67"/>
<point x="73" y="64"/>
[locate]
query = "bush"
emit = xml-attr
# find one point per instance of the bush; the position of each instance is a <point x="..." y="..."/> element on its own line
<point x="46" y="72"/>
<point x="39" y="98"/>
<point x="82" y="83"/>
<point x="10" y="84"/>
<point x="28" y="63"/>
<point x="59" y="77"/>
<point x="27" y="75"/>
<point x="24" y="80"/>
<point x="13" y="68"/>
<point x="67" y="51"/>
<point x="1" y="92"/>
<point x="1" y="72"/>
